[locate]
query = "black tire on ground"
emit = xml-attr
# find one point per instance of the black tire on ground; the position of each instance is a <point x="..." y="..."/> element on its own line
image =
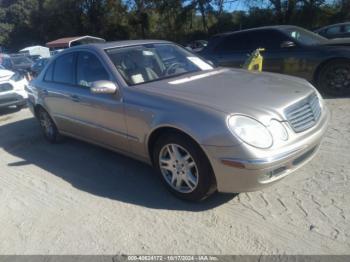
<point x="48" y="126"/>
<point x="206" y="185"/>
<point x="334" y="78"/>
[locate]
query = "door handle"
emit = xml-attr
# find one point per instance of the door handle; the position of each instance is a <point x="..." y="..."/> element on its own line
<point x="44" y="92"/>
<point x="75" y="98"/>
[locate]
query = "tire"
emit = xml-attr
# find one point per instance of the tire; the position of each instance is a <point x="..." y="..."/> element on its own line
<point x="191" y="178"/>
<point x="334" y="78"/>
<point x="48" y="127"/>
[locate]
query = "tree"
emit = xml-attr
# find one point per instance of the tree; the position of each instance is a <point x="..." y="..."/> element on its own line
<point x="344" y="13"/>
<point x="284" y="10"/>
<point x="27" y="22"/>
<point x="139" y="14"/>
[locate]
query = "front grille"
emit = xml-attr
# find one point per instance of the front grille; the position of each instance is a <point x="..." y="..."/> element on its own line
<point x="5" y="87"/>
<point x="304" y="114"/>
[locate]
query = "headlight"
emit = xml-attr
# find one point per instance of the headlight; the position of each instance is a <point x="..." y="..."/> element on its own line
<point x="17" y="77"/>
<point x="250" y="131"/>
<point x="278" y="131"/>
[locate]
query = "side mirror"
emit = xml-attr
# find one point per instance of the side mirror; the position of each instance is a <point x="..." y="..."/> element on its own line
<point x="288" y="44"/>
<point x="104" y="87"/>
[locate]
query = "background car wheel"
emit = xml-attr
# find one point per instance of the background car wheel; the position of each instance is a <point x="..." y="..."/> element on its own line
<point x="183" y="167"/>
<point x="48" y="127"/>
<point x="334" y="78"/>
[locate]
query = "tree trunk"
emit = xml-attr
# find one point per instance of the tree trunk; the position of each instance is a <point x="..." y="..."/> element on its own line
<point x="278" y="8"/>
<point x="203" y="14"/>
<point x="290" y="10"/>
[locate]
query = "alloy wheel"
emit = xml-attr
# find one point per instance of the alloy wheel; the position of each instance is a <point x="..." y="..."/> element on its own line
<point x="46" y="124"/>
<point x="338" y="77"/>
<point x="178" y="168"/>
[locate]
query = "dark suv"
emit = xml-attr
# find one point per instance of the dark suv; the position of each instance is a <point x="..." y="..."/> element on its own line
<point x="288" y="50"/>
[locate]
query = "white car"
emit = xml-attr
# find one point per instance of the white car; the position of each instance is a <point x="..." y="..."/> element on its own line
<point x="12" y="89"/>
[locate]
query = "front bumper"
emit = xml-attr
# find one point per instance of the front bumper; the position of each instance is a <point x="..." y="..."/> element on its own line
<point x="13" y="98"/>
<point x="14" y="94"/>
<point x="235" y="173"/>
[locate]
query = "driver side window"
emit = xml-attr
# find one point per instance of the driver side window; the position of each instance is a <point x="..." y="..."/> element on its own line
<point x="90" y="69"/>
<point x="173" y="61"/>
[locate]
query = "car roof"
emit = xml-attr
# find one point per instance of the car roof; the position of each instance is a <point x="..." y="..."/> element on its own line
<point x="276" y="27"/>
<point x="124" y="43"/>
<point x="328" y="26"/>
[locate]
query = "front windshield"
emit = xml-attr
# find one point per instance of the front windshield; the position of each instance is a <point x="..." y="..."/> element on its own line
<point x="304" y="36"/>
<point x="152" y="62"/>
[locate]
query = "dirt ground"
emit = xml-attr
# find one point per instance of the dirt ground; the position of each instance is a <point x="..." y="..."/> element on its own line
<point x="75" y="198"/>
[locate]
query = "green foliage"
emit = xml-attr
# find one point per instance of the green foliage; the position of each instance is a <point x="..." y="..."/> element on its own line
<point x="29" y="22"/>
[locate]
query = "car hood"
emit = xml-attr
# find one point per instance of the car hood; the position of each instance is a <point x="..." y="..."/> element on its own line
<point x="236" y="91"/>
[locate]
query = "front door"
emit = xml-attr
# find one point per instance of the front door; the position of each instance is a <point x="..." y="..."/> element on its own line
<point x="98" y="118"/>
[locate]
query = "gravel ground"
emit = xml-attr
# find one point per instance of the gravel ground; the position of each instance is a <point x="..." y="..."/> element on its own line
<point x="75" y="198"/>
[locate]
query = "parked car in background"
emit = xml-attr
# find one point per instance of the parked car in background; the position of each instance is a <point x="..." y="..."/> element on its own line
<point x="67" y="42"/>
<point x="34" y="58"/>
<point x="6" y="62"/>
<point x="12" y="89"/>
<point x="36" y="52"/>
<point x="55" y="52"/>
<point x="288" y="50"/>
<point x="38" y="66"/>
<point x="197" y="45"/>
<point x="335" y="31"/>
<point x="203" y="128"/>
<point x="21" y="63"/>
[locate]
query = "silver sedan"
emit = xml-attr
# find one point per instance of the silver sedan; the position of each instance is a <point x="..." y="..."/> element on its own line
<point x="203" y="128"/>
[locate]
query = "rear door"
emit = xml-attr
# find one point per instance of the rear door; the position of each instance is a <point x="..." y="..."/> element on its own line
<point x="232" y="50"/>
<point x="66" y="93"/>
<point x="55" y="89"/>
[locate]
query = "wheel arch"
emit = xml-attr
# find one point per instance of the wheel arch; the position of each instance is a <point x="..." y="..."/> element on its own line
<point x="38" y="107"/>
<point x="325" y="63"/>
<point x="159" y="131"/>
<point x="166" y="129"/>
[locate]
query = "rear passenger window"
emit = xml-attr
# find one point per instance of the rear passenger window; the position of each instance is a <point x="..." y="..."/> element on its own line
<point x="48" y="74"/>
<point x="64" y="69"/>
<point x="90" y="69"/>
<point x="235" y="42"/>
